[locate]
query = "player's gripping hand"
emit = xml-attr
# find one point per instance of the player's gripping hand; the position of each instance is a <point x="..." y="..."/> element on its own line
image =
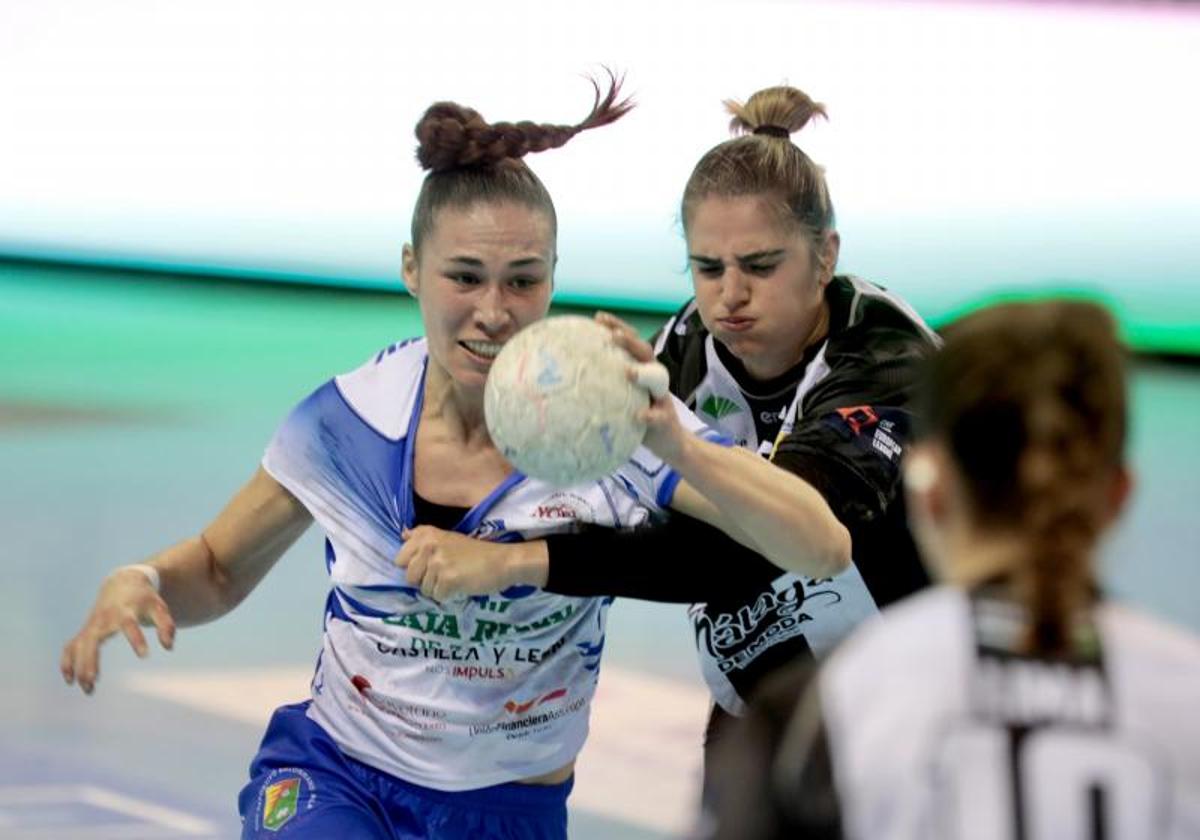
<point x="126" y="600"/>
<point x="445" y="563"/>
<point x="665" y="435"/>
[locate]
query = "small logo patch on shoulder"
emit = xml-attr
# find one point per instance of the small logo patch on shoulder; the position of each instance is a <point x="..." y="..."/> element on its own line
<point x="280" y="801"/>
<point x="285" y="792"/>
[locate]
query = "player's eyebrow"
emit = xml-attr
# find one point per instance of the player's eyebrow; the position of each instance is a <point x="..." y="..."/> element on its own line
<point x="759" y="256"/>
<point x="756" y="256"/>
<point x="521" y="263"/>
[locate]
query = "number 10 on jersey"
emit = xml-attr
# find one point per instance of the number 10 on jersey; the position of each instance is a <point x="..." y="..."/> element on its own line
<point x="1048" y="783"/>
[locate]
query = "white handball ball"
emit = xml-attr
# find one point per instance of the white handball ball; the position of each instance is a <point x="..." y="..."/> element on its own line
<point x="559" y="404"/>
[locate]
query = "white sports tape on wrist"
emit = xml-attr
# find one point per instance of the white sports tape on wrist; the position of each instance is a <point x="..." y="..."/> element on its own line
<point x="654" y="378"/>
<point x="150" y="572"/>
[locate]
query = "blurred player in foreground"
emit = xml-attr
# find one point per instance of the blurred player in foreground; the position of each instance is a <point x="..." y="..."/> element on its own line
<point x="1014" y="702"/>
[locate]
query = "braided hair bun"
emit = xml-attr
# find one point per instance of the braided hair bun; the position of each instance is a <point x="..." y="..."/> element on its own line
<point x="453" y="136"/>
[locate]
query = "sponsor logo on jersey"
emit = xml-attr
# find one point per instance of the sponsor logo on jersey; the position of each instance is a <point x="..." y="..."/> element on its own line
<point x="521" y="726"/>
<point x="484" y="655"/>
<point x="443" y="625"/>
<point x="429" y="622"/>
<point x="424" y="718"/>
<point x="565" y="506"/>
<point x="515" y="707"/>
<point x="717" y="407"/>
<point x="487" y="630"/>
<point x="481" y="672"/>
<point x="285" y="792"/>
<point x="736" y="639"/>
<point x="427" y="649"/>
<point x="858" y="417"/>
<point x="884" y="443"/>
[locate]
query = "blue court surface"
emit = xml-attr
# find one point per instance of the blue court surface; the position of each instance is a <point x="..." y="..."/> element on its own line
<point x="131" y="406"/>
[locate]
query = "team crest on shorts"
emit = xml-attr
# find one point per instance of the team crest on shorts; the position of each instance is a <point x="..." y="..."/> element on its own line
<point x="283" y="795"/>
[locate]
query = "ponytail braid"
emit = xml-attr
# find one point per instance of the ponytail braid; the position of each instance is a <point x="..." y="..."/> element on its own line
<point x="452" y="136"/>
<point x="1056" y="478"/>
<point x="1030" y="399"/>
<point x="470" y="159"/>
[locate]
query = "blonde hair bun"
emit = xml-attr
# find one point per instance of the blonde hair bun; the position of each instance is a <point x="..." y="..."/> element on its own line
<point x="780" y="107"/>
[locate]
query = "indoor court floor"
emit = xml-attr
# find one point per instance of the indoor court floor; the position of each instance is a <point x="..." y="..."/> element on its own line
<point x="133" y="404"/>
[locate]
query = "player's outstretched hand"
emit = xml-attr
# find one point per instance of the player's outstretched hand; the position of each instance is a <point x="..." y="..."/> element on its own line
<point x="126" y="600"/>
<point x="444" y="564"/>
<point x="665" y="435"/>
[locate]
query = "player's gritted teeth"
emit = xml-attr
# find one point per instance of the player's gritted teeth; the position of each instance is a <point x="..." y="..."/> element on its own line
<point x="482" y="350"/>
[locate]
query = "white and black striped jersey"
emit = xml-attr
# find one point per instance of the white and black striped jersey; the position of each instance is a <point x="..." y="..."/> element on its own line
<point x="839" y="419"/>
<point x="928" y="726"/>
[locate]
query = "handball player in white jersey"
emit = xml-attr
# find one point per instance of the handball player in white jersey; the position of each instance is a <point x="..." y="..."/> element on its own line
<point x="1015" y="701"/>
<point x="434" y="717"/>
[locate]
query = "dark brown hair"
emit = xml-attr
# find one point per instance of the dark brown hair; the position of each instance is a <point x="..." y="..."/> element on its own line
<point x="764" y="161"/>
<point x="1029" y="398"/>
<point x="471" y="160"/>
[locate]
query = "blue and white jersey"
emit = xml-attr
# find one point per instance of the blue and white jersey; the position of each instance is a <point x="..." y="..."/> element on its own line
<point x="455" y="695"/>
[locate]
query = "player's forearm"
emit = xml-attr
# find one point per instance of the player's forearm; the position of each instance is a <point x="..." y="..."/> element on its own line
<point x="783" y="516"/>
<point x="194" y="583"/>
<point x="208" y="575"/>
<point x="199" y="586"/>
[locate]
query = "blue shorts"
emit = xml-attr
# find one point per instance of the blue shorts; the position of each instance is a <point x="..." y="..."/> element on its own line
<point x="303" y="787"/>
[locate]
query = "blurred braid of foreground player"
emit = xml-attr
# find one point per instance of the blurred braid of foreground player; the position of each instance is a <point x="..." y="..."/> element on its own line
<point x="1015" y="701"/>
